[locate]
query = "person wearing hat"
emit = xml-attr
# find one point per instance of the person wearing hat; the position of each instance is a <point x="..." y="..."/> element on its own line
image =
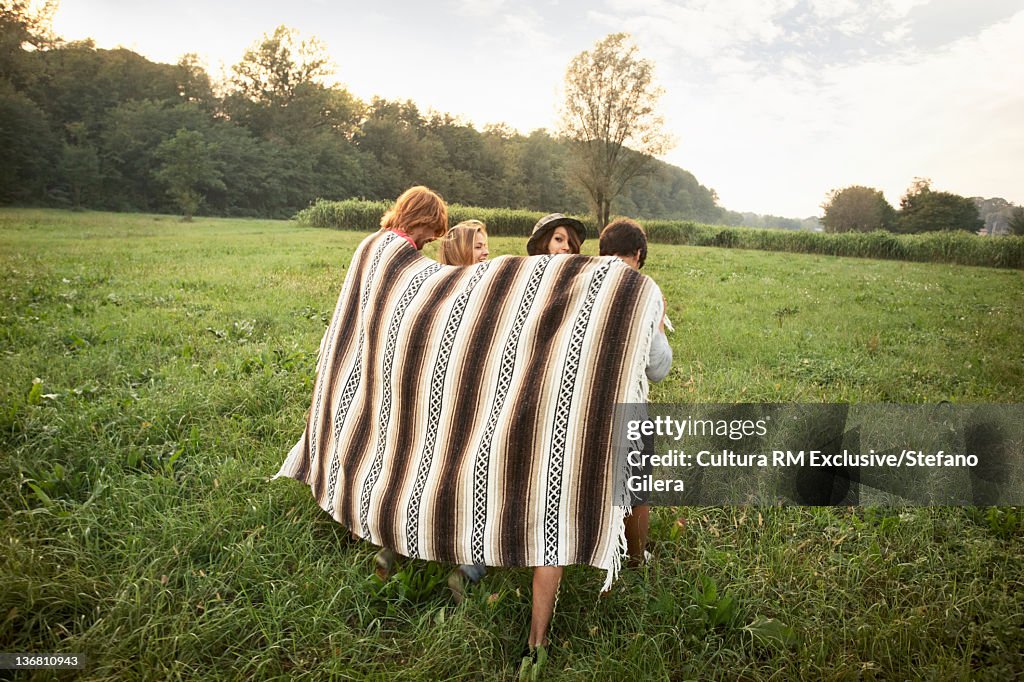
<point x="553" y="234"/>
<point x="556" y="233"/>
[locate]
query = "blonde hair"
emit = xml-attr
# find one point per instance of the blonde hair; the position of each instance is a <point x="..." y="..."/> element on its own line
<point x="457" y="246"/>
<point x="416" y="207"/>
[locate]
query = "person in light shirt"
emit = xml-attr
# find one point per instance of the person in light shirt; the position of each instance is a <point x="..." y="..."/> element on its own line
<point x="626" y="240"/>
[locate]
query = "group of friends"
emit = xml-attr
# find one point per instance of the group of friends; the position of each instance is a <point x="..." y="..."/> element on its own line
<point x="466" y="244"/>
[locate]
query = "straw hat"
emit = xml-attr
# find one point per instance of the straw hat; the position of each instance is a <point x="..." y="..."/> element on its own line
<point x="547" y="224"/>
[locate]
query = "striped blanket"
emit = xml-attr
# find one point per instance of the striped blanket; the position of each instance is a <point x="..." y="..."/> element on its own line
<point x="464" y="414"/>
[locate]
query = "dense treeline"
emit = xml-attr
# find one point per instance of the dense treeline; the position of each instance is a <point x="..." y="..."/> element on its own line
<point x="109" y="129"/>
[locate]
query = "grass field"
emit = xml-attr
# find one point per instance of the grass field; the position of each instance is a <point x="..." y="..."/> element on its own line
<point x="155" y="374"/>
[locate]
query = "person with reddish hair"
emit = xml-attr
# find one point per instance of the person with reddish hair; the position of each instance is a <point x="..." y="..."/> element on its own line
<point x="419" y="215"/>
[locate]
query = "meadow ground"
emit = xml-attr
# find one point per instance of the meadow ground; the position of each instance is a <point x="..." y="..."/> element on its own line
<point x="155" y="373"/>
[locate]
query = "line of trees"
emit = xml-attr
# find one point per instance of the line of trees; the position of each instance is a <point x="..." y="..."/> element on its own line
<point x="922" y="209"/>
<point x="108" y="129"/>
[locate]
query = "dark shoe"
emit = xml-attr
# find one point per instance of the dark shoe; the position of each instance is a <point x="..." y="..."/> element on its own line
<point x="633" y="562"/>
<point x="462" y="577"/>
<point x="385" y="563"/>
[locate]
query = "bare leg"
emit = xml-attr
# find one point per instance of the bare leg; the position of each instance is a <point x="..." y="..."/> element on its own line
<point x="637" y="525"/>
<point x="545" y="589"/>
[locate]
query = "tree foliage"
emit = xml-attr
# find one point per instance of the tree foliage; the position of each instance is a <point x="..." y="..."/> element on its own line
<point x="194" y="83"/>
<point x="924" y="210"/>
<point x="23" y="23"/>
<point x="278" y="66"/>
<point x="610" y="115"/>
<point x="28" y="148"/>
<point x="187" y="170"/>
<point x="80" y="164"/>
<point x="1016" y="223"/>
<point x="95" y="128"/>
<point x="997" y="214"/>
<point x="857" y="209"/>
<point x="277" y="89"/>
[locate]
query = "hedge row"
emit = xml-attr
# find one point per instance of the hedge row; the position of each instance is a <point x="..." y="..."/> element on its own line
<point x="962" y="248"/>
<point x="934" y="247"/>
<point x="356" y="214"/>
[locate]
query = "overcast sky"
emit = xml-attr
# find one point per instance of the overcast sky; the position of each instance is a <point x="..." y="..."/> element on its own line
<point x="772" y="102"/>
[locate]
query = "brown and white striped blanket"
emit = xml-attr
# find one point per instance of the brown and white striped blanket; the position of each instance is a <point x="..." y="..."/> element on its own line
<point x="464" y="414"/>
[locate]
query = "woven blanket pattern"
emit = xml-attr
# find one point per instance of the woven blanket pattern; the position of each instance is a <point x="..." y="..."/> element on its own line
<point x="465" y="414"/>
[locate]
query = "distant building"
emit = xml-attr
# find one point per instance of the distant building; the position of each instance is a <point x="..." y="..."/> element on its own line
<point x="996" y="213"/>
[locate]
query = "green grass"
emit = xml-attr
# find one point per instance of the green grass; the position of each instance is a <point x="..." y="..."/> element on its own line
<point x="155" y="373"/>
<point x="767" y="327"/>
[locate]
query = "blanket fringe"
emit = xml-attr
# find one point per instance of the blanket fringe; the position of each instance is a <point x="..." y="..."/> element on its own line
<point x="638" y="397"/>
<point x="619" y="515"/>
<point x="294" y="456"/>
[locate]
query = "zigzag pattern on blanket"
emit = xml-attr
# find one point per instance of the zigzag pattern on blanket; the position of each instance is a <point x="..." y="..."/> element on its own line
<point x="464" y="414"/>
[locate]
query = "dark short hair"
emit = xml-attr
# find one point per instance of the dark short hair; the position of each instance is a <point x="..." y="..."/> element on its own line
<point x="624" y="237"/>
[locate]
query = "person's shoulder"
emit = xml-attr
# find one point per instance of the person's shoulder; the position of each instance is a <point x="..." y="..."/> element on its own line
<point x="379" y="236"/>
<point x="653" y="285"/>
<point x="368" y="245"/>
<point x="626" y="272"/>
<point x="650" y="286"/>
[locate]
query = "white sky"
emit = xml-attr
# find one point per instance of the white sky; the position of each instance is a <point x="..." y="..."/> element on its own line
<point x="772" y="102"/>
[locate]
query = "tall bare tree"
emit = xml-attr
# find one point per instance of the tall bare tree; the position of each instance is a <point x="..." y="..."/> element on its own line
<point x="609" y="113"/>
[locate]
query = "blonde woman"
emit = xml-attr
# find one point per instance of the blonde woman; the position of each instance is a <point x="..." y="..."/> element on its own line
<point x="465" y="244"/>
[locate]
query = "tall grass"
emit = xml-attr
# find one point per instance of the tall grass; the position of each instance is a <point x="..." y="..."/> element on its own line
<point x="155" y="373"/>
<point x="349" y="214"/>
<point x="355" y="214"/>
<point x="935" y="247"/>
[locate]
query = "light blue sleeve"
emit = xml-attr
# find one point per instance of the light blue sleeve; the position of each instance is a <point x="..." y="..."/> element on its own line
<point x="660" y="361"/>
